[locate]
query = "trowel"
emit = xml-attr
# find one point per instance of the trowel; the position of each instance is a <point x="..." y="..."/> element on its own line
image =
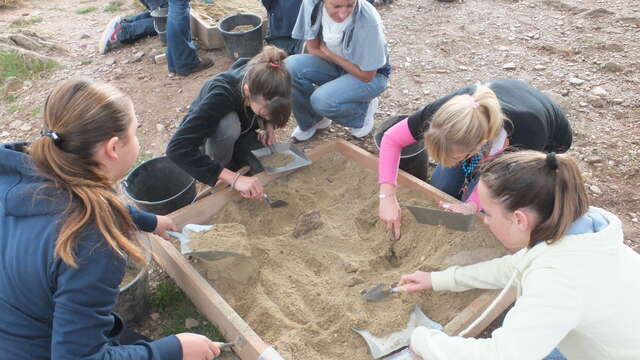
<point x="209" y="255"/>
<point x="380" y="292"/>
<point x="395" y="345"/>
<point x="450" y="219"/>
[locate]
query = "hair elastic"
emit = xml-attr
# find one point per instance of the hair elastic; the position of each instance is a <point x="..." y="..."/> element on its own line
<point x="273" y="64"/>
<point x="552" y="161"/>
<point x="53" y="135"/>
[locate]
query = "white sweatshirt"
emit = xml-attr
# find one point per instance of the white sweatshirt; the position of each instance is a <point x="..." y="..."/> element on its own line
<point x="581" y="294"/>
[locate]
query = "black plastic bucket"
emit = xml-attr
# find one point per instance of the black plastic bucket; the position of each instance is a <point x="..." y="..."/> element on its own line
<point x="413" y="158"/>
<point x="243" y="43"/>
<point x="159" y="186"/>
<point x="160" y="22"/>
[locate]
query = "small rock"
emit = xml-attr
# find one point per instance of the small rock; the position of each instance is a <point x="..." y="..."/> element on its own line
<point x="595" y="189"/>
<point x="354" y="280"/>
<point x="84" y="36"/>
<point x="503" y="48"/>
<point x="137" y="56"/>
<point x="159" y="127"/>
<point x="155" y="316"/>
<point x="618" y="101"/>
<point x="594" y="160"/>
<point x="599" y="91"/>
<point x="539" y="67"/>
<point x="576" y="81"/>
<point x="110" y="61"/>
<point x="613" y="67"/>
<point x="349" y="267"/>
<point x="597" y="102"/>
<point x="16" y="124"/>
<point x="25" y="127"/>
<point x="596" y="13"/>
<point x="190" y="323"/>
<point x="635" y="220"/>
<point x="4" y="134"/>
<point x="509" y="66"/>
<point x="564" y="92"/>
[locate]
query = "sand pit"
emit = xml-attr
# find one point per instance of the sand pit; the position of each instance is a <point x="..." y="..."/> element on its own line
<point x="302" y="294"/>
<point x="277" y="160"/>
<point x="228" y="238"/>
<point x="213" y="13"/>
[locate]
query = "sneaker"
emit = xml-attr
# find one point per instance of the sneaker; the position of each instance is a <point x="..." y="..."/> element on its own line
<point x="204" y="64"/>
<point x="109" y="38"/>
<point x="300" y="135"/>
<point x="368" y="121"/>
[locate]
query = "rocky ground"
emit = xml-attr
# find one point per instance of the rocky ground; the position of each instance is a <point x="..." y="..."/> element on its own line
<point x="584" y="53"/>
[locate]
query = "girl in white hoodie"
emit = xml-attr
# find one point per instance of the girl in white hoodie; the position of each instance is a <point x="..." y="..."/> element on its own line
<point x="576" y="279"/>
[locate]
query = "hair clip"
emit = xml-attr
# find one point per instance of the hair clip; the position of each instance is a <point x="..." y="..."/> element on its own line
<point x="551" y="161"/>
<point x="53" y="135"/>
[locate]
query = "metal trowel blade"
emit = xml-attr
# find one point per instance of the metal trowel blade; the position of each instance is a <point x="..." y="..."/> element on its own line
<point x="450" y="219"/>
<point x="378" y="292"/>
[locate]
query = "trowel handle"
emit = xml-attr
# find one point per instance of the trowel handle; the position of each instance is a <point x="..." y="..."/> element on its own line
<point x="397" y="289"/>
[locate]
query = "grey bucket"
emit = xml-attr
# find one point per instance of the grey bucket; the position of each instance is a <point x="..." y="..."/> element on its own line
<point x="243" y="43"/>
<point x="413" y="158"/>
<point x="159" y="186"/>
<point x="133" y="301"/>
<point x="160" y="22"/>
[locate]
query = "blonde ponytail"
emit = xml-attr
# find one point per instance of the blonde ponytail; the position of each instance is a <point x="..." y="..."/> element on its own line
<point x="462" y="123"/>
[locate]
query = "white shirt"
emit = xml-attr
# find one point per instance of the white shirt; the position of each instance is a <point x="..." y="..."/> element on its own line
<point x="332" y="31"/>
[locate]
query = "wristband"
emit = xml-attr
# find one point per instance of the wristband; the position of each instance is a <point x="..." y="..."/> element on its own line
<point x="383" y="196"/>
<point x="235" y="179"/>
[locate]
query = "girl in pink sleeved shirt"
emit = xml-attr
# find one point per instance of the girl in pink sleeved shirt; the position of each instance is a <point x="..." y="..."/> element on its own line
<point x="467" y="127"/>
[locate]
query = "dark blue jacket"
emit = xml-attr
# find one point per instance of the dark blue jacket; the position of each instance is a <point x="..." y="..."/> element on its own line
<point x="282" y="16"/>
<point x="49" y="310"/>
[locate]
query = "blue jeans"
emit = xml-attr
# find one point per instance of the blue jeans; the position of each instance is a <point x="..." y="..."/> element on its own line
<point x="451" y="180"/>
<point x="181" y="52"/>
<point x="323" y="89"/>
<point x="555" y="355"/>
<point x="136" y="27"/>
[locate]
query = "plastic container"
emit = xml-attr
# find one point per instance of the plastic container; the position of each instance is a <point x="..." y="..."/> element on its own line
<point x="413" y="158"/>
<point x="242" y="43"/>
<point x="160" y="22"/>
<point x="159" y="186"/>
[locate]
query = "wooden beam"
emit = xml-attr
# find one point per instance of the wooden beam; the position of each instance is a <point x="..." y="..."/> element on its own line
<point x="469" y="314"/>
<point x="207" y="299"/>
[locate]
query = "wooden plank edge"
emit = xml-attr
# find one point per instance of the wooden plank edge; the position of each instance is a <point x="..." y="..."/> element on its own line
<point x="208" y="300"/>
<point x="469" y="314"/>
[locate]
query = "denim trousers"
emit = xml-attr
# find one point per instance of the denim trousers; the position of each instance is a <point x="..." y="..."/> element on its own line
<point x="231" y="147"/>
<point x="323" y="89"/>
<point x="181" y="52"/>
<point x="451" y="181"/>
<point x="136" y="27"/>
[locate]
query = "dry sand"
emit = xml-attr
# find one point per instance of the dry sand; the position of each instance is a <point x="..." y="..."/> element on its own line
<point x="302" y="294"/>
<point x="276" y="160"/>
<point x="229" y="238"/>
<point x="213" y="13"/>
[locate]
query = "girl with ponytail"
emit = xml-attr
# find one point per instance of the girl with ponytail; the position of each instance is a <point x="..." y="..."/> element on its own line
<point x="576" y="280"/>
<point x="465" y="128"/>
<point x="235" y="112"/>
<point x="65" y="234"/>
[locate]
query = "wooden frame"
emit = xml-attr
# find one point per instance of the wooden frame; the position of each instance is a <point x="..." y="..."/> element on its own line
<point x="232" y="326"/>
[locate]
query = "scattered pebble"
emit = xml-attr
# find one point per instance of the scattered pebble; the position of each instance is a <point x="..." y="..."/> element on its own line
<point x="595" y="189"/>
<point x="599" y="91"/>
<point x="576" y="81"/>
<point x="509" y="66"/>
<point x="190" y="323"/>
<point x="539" y="67"/>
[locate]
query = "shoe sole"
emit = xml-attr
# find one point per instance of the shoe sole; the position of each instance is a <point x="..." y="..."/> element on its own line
<point x="106" y="34"/>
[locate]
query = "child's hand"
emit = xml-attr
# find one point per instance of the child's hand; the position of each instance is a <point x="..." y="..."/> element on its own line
<point x="197" y="347"/>
<point x="415" y="282"/>
<point x="463" y="208"/>
<point x="164" y="223"/>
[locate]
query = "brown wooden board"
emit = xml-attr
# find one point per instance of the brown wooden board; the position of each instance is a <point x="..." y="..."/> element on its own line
<point x="218" y="311"/>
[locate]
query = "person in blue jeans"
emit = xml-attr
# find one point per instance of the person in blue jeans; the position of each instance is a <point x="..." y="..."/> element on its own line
<point x="346" y="68"/>
<point x="181" y="52"/>
<point x="121" y="31"/>
<point x="282" y="19"/>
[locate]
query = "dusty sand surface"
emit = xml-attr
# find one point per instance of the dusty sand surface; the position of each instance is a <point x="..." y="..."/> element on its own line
<point x="276" y="160"/>
<point x="212" y="13"/>
<point x="229" y="238"/>
<point x="302" y="294"/>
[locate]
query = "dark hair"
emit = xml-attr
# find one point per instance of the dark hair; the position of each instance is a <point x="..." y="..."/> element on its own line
<point x="267" y="77"/>
<point x="82" y="113"/>
<point x="548" y="184"/>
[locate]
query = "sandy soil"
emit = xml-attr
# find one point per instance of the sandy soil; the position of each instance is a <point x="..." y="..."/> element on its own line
<point x="310" y="284"/>
<point x="213" y="13"/>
